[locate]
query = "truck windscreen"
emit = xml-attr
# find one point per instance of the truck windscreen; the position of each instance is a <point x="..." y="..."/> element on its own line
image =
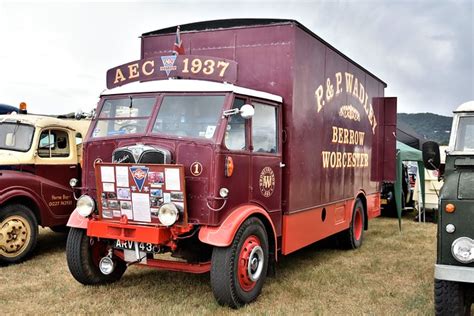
<point x="129" y="115"/>
<point x="189" y="116"/>
<point x="17" y="137"/>
<point x="465" y="134"/>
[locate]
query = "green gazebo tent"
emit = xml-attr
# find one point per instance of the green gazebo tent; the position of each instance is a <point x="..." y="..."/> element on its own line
<point x="407" y="153"/>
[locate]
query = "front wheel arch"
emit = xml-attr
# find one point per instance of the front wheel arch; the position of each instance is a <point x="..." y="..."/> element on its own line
<point x="223" y="235"/>
<point x="29" y="202"/>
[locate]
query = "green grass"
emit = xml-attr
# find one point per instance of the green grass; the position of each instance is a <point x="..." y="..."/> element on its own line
<point x="392" y="274"/>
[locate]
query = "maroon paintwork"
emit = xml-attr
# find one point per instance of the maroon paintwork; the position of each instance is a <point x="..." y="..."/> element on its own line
<point x="45" y="188"/>
<point x="284" y="58"/>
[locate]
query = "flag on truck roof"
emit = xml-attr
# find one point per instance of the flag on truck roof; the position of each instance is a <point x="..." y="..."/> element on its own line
<point x="178" y="48"/>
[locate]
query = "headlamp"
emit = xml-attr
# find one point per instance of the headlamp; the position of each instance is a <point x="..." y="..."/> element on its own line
<point x="85" y="205"/>
<point x="168" y="214"/>
<point x="463" y="249"/>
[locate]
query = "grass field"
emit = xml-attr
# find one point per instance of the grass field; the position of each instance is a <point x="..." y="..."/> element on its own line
<point x="392" y="274"/>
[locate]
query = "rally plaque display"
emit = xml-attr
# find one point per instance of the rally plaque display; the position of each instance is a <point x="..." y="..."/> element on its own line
<point x="138" y="191"/>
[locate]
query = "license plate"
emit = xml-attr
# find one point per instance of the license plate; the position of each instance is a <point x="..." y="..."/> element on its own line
<point x="383" y="201"/>
<point x="142" y="246"/>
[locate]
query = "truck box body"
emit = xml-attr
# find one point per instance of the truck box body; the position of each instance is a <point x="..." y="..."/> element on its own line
<point x="286" y="59"/>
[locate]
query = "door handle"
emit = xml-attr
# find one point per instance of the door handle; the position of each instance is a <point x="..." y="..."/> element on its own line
<point x="282" y="165"/>
<point x="72" y="167"/>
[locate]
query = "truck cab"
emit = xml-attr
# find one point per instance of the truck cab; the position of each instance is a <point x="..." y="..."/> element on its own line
<point x="454" y="269"/>
<point x="38" y="156"/>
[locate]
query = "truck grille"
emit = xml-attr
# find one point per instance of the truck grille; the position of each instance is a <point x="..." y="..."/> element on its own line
<point x="141" y="154"/>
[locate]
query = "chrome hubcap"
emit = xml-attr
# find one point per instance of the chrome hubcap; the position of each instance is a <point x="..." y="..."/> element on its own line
<point x="255" y="264"/>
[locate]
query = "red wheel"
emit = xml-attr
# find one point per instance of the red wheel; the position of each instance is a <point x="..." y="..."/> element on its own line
<point x="251" y="261"/>
<point x="239" y="271"/>
<point x="358" y="223"/>
<point x="352" y="238"/>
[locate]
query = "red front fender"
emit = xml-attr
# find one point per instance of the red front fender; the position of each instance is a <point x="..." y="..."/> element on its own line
<point x="222" y="235"/>
<point x="77" y="221"/>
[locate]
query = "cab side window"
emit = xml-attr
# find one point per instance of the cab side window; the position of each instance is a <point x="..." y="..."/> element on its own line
<point x="264" y="128"/>
<point x="53" y="143"/>
<point x="235" y="133"/>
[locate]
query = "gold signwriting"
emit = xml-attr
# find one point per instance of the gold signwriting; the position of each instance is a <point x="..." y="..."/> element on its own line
<point x="347" y="136"/>
<point x="343" y="159"/>
<point x="173" y="66"/>
<point x="351" y="85"/>
<point x="209" y="66"/>
<point x="63" y="200"/>
<point x="337" y="159"/>
<point x="349" y="112"/>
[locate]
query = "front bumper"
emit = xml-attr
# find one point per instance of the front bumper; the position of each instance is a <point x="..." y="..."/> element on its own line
<point x="147" y="234"/>
<point x="454" y="273"/>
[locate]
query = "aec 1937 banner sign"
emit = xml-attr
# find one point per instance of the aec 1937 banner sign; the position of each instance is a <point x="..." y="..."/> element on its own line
<point x="173" y="66"/>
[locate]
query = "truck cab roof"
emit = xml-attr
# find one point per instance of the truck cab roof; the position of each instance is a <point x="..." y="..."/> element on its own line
<point x="188" y="85"/>
<point x="44" y="121"/>
<point x="465" y="107"/>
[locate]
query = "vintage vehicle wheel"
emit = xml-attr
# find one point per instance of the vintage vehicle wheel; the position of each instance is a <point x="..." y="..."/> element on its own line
<point x="239" y="271"/>
<point x="83" y="255"/>
<point x="450" y="298"/>
<point x="352" y="237"/>
<point x="18" y="232"/>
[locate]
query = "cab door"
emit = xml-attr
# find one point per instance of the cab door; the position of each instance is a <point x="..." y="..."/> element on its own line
<point x="266" y="159"/>
<point x="56" y="163"/>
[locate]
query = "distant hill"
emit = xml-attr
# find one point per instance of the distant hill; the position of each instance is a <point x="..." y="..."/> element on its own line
<point x="428" y="125"/>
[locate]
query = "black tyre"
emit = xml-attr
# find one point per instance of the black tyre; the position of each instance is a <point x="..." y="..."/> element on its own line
<point x="238" y="272"/>
<point x="83" y="255"/>
<point x="451" y="299"/>
<point x="352" y="237"/>
<point x="18" y="233"/>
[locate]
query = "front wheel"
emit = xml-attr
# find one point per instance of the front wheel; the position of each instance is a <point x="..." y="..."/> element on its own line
<point x="83" y="255"/>
<point x="352" y="237"/>
<point x="239" y="271"/>
<point x="450" y="298"/>
<point x="18" y="232"/>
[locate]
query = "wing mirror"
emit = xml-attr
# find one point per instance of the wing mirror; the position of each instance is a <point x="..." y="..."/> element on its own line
<point x="431" y="156"/>
<point x="247" y="111"/>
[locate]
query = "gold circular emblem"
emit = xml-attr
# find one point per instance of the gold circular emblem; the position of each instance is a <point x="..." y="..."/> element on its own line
<point x="267" y="182"/>
<point x="196" y="169"/>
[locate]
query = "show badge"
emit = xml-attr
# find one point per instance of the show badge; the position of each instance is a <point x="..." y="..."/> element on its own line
<point x="267" y="182"/>
<point x="173" y="66"/>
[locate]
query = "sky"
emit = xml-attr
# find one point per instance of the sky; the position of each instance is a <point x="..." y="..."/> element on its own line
<point x="54" y="55"/>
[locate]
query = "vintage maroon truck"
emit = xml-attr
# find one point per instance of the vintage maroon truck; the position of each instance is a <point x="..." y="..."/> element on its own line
<point x="38" y="156"/>
<point x="257" y="141"/>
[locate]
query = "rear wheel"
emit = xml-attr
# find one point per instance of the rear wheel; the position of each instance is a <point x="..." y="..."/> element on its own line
<point x="83" y="255"/>
<point x="451" y="298"/>
<point x="238" y="272"/>
<point x="18" y="232"/>
<point x="353" y="236"/>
